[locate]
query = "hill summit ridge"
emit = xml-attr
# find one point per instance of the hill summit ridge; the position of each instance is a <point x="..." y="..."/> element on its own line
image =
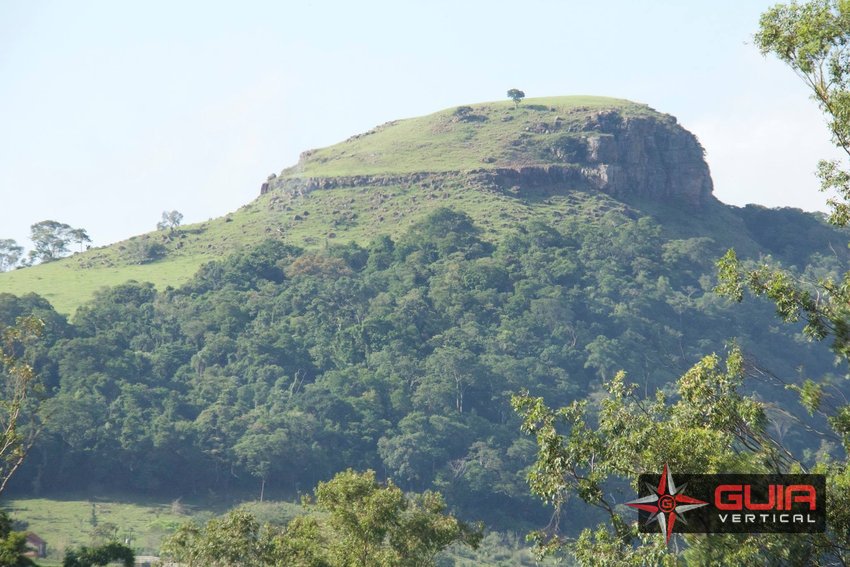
<point x="556" y="144"/>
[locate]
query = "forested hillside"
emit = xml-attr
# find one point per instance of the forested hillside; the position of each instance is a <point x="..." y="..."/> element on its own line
<point x="282" y="366"/>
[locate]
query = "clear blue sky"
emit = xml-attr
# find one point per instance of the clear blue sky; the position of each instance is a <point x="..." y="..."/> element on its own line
<point x="111" y="112"/>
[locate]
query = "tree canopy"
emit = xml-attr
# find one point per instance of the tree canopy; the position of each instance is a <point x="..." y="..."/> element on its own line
<point x="105" y="554"/>
<point x="516" y="95"/>
<point x="51" y="240"/>
<point x="357" y="521"/>
<point x="170" y="220"/>
<point x="813" y="39"/>
<point x="20" y="419"/>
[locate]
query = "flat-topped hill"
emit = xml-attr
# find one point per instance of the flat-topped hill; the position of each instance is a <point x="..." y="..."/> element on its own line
<point x="557" y="160"/>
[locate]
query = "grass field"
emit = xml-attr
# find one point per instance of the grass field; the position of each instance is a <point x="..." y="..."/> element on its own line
<point x="67" y="286"/>
<point x="74" y="522"/>
<point x="65" y="523"/>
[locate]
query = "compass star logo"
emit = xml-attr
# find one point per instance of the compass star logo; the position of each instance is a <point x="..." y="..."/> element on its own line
<point x="667" y="503"/>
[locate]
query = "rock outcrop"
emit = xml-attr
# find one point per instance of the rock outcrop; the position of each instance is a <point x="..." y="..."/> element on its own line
<point x="645" y="156"/>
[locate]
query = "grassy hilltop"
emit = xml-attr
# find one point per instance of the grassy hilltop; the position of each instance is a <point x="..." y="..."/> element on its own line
<point x="487" y="135"/>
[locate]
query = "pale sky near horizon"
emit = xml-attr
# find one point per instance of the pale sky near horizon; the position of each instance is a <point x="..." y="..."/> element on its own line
<point x="111" y="112"/>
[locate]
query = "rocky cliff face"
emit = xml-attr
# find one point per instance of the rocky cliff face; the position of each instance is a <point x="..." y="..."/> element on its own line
<point x="647" y="156"/>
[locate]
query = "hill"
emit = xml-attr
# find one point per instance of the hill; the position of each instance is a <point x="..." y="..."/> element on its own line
<point x="377" y="305"/>
<point x="547" y="159"/>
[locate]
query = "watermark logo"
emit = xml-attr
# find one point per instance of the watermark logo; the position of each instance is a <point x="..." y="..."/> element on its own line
<point x="666" y="503"/>
<point x="731" y="503"/>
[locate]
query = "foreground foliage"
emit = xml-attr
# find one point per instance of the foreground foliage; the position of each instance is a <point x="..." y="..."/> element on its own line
<point x="359" y="523"/>
<point x="101" y="555"/>
<point x="20" y="398"/>
<point x="711" y="426"/>
<point x="708" y="426"/>
<point x="13" y="545"/>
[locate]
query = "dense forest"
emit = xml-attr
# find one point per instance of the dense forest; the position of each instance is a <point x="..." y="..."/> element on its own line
<point x="274" y="369"/>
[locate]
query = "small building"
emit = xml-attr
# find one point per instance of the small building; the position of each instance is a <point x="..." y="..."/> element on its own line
<point x="37" y="546"/>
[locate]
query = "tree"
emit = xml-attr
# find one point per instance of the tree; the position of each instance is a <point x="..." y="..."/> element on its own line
<point x="10" y="254"/>
<point x="143" y="250"/>
<point x="710" y="428"/>
<point x="375" y="525"/>
<point x="516" y="95"/>
<point x="259" y="450"/>
<point x="814" y="40"/>
<point x="20" y="399"/>
<point x="170" y="220"/>
<point x="100" y="555"/>
<point x="237" y="539"/>
<point x="362" y="523"/>
<point x="80" y="236"/>
<point x="443" y="232"/>
<point x="13" y="545"/>
<point x="51" y="239"/>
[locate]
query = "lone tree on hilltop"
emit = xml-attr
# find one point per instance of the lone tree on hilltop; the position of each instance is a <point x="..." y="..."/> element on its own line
<point x="516" y="95"/>
<point x="170" y="220"/>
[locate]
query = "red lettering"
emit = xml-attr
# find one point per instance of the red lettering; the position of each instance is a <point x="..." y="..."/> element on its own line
<point x="732" y="500"/>
<point x="771" y="499"/>
<point x="739" y="497"/>
<point x="805" y="493"/>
